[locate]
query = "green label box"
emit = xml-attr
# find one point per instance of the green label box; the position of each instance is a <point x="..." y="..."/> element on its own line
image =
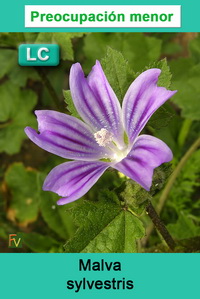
<point x="38" y="55"/>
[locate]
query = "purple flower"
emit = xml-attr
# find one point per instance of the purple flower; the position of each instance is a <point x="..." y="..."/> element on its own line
<point x="101" y="135"/>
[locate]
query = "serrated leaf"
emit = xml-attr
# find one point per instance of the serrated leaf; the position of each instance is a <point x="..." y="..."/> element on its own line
<point x="161" y="118"/>
<point x="64" y="39"/>
<point x="104" y="226"/>
<point x="139" y="50"/>
<point x="134" y="230"/>
<point x="164" y="79"/>
<point x="15" y="114"/>
<point x="70" y="104"/>
<point x="135" y="197"/>
<point x="22" y="185"/>
<point x="118" y="236"/>
<point x="118" y="72"/>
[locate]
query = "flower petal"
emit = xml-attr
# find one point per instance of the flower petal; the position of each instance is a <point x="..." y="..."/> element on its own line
<point x="65" y="136"/>
<point x="148" y="152"/>
<point x="73" y="179"/>
<point x="95" y="100"/>
<point x="142" y="99"/>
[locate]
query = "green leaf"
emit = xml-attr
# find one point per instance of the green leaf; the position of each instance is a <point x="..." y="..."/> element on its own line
<point x="194" y="47"/>
<point x="160" y="176"/>
<point x="39" y="243"/>
<point x="139" y="50"/>
<point x="25" y="193"/>
<point x="135" y="197"/>
<point x="10" y="39"/>
<point x="15" y="114"/>
<point x="163" y="116"/>
<point x="134" y="230"/>
<point x="27" y="196"/>
<point x="19" y="75"/>
<point x="104" y="226"/>
<point x="120" y="76"/>
<point x="118" y="236"/>
<point x="186" y="76"/>
<point x="172" y="48"/>
<point x="44" y="38"/>
<point x="56" y="216"/>
<point x="168" y="129"/>
<point x="70" y="104"/>
<point x="166" y="75"/>
<point x="64" y="39"/>
<point x="9" y="66"/>
<point x="184" y="228"/>
<point x="8" y="59"/>
<point x="30" y="37"/>
<point x="118" y="72"/>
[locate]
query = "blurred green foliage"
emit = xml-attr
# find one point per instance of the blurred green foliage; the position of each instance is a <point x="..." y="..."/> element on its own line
<point x="111" y="216"/>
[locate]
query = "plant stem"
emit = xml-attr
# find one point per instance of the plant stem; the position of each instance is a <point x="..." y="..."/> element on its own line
<point x="170" y="183"/>
<point x="184" y="131"/>
<point x="160" y="226"/>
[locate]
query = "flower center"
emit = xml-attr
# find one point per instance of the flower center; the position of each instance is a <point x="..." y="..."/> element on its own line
<point x="103" y="137"/>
